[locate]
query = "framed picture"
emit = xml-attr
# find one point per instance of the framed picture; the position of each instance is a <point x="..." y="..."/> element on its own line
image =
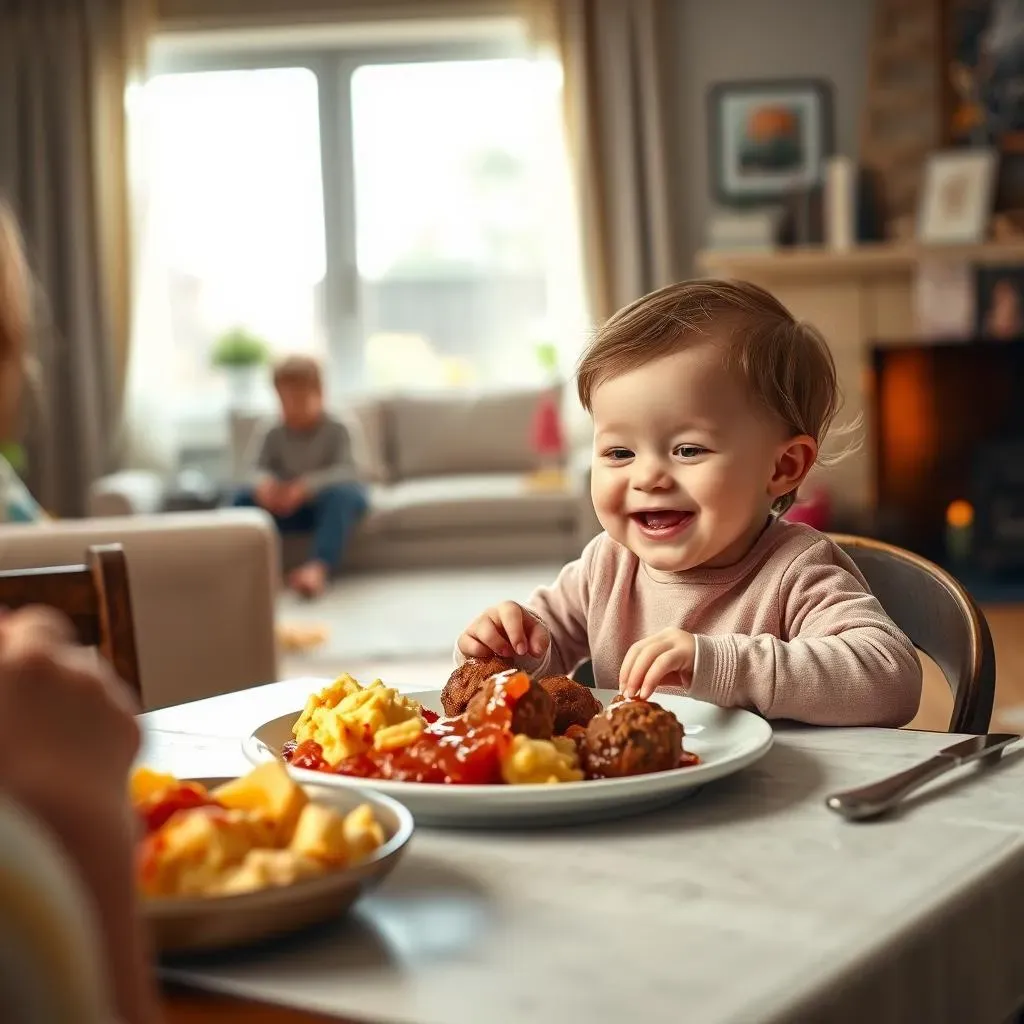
<point x="956" y="200"/>
<point x="999" y="302"/>
<point x="984" y="71"/>
<point x="767" y="139"/>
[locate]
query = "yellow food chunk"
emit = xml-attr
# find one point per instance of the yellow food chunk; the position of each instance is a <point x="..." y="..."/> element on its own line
<point x="344" y="718"/>
<point x="264" y="868"/>
<point x="363" y="832"/>
<point x="394" y="737"/>
<point x="146" y="783"/>
<point x="267" y="790"/>
<point x="320" y="835"/>
<point x="329" y="697"/>
<point x="530" y="761"/>
<point x="189" y="854"/>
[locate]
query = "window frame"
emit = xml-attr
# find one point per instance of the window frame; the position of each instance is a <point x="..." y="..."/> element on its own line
<point x="333" y="65"/>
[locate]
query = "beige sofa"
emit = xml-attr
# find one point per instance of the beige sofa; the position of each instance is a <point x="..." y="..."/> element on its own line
<point x="452" y="482"/>
<point x="202" y="586"/>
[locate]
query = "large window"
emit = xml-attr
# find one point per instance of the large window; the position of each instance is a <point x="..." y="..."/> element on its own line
<point x="403" y="213"/>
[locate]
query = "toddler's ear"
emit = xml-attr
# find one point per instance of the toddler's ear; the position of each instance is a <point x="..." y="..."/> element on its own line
<point x="793" y="460"/>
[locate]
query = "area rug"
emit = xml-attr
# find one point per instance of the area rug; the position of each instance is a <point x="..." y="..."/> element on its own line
<point x="400" y="616"/>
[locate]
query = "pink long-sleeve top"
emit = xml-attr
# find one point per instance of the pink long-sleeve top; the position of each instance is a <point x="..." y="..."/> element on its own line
<point x="790" y="631"/>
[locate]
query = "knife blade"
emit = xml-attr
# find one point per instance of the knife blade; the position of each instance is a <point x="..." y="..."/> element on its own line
<point x="878" y="797"/>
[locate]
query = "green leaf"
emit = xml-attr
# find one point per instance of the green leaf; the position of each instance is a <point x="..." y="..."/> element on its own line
<point x="239" y="347"/>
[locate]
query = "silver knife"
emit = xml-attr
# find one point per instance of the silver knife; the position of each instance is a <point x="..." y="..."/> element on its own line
<point x="878" y="797"/>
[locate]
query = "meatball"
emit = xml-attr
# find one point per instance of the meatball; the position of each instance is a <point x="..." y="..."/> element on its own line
<point x="575" y="704"/>
<point x="631" y="737"/>
<point x="533" y="713"/>
<point x="464" y="682"/>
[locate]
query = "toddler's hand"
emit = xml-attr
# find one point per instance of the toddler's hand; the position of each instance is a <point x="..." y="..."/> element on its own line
<point x="664" y="659"/>
<point x="506" y="630"/>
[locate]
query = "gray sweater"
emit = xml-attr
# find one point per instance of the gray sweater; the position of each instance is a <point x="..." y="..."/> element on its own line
<point x="321" y="457"/>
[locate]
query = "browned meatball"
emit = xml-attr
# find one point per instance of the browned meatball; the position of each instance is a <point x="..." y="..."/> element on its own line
<point x="575" y="704"/>
<point x="464" y="682"/>
<point x="631" y="737"/>
<point x="532" y="715"/>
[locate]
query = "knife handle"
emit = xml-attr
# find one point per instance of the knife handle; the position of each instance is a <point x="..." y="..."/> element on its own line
<point x="879" y="797"/>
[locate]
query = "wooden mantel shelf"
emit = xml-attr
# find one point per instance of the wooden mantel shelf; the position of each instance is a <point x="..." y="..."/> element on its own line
<point x="860" y="261"/>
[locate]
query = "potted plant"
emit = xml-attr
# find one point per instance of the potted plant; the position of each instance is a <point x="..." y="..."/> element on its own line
<point x="242" y="356"/>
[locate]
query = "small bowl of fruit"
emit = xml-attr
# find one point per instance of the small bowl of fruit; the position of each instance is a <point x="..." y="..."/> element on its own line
<point x="227" y="862"/>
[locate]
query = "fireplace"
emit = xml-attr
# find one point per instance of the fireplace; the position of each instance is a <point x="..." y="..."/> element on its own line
<point x="948" y="436"/>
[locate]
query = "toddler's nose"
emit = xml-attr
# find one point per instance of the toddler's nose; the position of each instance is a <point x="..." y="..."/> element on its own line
<point x="650" y="474"/>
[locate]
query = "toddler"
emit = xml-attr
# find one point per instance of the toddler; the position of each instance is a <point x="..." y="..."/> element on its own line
<point x="306" y="475"/>
<point x="710" y="402"/>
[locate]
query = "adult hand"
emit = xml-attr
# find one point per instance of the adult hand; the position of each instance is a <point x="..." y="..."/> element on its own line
<point x="68" y="737"/>
<point x="664" y="659"/>
<point x="506" y="630"/>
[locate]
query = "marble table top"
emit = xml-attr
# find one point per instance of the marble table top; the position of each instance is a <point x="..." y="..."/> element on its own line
<point x="749" y="901"/>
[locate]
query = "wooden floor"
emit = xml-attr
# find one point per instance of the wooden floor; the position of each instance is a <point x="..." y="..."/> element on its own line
<point x="1007" y="624"/>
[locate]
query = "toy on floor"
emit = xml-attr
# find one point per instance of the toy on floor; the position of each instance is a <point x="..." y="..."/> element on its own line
<point x="297" y="637"/>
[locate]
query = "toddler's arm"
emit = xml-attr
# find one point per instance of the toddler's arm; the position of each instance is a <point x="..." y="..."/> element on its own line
<point x="339" y="465"/>
<point x="845" y="662"/>
<point x="563" y="608"/>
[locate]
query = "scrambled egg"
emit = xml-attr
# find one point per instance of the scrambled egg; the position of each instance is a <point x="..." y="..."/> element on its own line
<point x="347" y="719"/>
<point x="532" y="761"/>
<point x="253" y="832"/>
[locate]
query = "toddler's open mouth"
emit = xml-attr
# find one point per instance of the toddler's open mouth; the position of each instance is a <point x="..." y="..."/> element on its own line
<point x="662" y="523"/>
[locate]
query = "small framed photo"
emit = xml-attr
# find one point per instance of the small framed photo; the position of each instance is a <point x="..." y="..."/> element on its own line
<point x="768" y="139"/>
<point x="956" y="199"/>
<point x="999" y="292"/>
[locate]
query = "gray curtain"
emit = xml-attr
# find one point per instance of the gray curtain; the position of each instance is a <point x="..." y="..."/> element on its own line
<point x="55" y="63"/>
<point x="615" y="55"/>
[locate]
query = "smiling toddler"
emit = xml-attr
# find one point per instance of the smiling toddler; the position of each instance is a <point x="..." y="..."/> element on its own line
<point x="710" y="402"/>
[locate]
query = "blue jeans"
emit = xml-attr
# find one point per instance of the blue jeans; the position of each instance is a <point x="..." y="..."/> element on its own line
<point x="331" y="517"/>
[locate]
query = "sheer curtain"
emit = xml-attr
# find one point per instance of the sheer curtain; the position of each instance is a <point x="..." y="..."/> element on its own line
<point x="614" y="56"/>
<point x="149" y="429"/>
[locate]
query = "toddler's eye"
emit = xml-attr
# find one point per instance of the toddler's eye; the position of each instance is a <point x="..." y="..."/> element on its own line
<point x="689" y="451"/>
<point x="618" y="454"/>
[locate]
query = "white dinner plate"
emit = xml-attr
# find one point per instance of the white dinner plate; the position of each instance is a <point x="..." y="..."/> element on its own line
<point x="725" y="739"/>
<point x="201" y="924"/>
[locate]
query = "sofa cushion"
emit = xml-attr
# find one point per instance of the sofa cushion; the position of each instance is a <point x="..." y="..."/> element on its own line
<point x="468" y="501"/>
<point x="479" y="432"/>
<point x="367" y="418"/>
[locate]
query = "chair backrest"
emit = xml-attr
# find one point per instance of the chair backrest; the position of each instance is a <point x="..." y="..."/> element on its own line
<point x="939" y="617"/>
<point x="94" y="596"/>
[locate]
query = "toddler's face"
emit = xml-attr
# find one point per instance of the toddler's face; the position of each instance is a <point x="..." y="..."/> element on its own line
<point x="685" y="467"/>
<point x="301" y="405"/>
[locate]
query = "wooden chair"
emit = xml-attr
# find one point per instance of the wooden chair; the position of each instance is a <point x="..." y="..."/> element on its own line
<point x="937" y="614"/>
<point x="940" y="618"/>
<point x="95" y="597"/>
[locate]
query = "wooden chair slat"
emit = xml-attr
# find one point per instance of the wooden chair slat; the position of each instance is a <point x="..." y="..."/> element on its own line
<point x="95" y="597"/>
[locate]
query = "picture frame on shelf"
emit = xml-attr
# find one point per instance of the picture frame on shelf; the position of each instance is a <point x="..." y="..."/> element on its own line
<point x="999" y="301"/>
<point x="956" y="197"/>
<point x="768" y="138"/>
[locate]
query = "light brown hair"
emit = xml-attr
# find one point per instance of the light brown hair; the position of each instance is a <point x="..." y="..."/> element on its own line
<point x="16" y="292"/>
<point x="786" y="364"/>
<point x="298" y="371"/>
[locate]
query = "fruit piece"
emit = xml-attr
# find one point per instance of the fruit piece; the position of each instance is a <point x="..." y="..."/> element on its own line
<point x="320" y="834"/>
<point x="262" y="869"/>
<point x="146" y="783"/>
<point x="267" y="790"/>
<point x="362" y="832"/>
